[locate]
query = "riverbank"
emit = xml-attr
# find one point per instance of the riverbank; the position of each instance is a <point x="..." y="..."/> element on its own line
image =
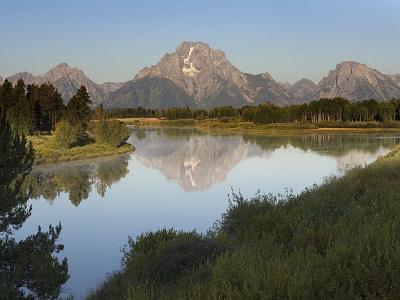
<point x="239" y="126"/>
<point x="336" y="240"/>
<point x="46" y="152"/>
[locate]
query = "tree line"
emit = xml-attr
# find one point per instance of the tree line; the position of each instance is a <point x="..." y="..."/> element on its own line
<point x="33" y="108"/>
<point x="322" y="110"/>
<point x="39" y="108"/>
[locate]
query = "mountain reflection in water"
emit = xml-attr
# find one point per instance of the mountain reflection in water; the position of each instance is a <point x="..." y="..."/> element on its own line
<point x="197" y="161"/>
<point x="194" y="160"/>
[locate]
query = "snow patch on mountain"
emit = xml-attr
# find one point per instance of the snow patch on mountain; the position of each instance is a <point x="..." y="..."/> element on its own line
<point x="188" y="67"/>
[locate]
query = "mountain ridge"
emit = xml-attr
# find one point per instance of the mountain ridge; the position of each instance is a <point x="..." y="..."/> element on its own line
<point x="356" y="81"/>
<point x="67" y="80"/>
<point x="210" y="79"/>
<point x="196" y="75"/>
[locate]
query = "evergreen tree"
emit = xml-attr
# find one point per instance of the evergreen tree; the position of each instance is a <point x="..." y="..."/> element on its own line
<point x="21" y="115"/>
<point x="28" y="268"/>
<point x="78" y="108"/>
<point x="7" y="97"/>
<point x="16" y="158"/>
<point x="51" y="106"/>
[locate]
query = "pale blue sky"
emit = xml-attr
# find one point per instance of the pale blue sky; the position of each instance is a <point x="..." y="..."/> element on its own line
<point x="113" y="40"/>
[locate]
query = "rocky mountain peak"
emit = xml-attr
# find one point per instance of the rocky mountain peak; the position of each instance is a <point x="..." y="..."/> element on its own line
<point x="266" y="75"/>
<point x="395" y="78"/>
<point x="303" y="89"/>
<point x="67" y="81"/>
<point x="207" y="76"/>
<point x="198" y="54"/>
<point x="348" y="69"/>
<point x="356" y="81"/>
<point x="63" y="70"/>
<point x="27" y="77"/>
<point x="188" y="60"/>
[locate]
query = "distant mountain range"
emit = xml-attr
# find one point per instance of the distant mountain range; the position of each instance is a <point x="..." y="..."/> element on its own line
<point x="196" y="75"/>
<point x="67" y="80"/>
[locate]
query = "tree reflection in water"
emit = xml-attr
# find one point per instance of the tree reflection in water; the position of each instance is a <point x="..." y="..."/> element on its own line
<point x="76" y="178"/>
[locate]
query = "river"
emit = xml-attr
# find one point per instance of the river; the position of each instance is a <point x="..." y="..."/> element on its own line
<point x="178" y="178"/>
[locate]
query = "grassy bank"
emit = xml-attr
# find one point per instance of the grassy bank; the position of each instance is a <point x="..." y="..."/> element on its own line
<point x="237" y="125"/>
<point x="47" y="152"/>
<point x="340" y="240"/>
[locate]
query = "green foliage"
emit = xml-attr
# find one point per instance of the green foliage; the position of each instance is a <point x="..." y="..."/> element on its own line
<point x="16" y="158"/>
<point x="157" y="261"/>
<point x="111" y="132"/>
<point x="65" y="135"/>
<point x="336" y="110"/>
<point x="177" y="113"/>
<point x="29" y="265"/>
<point x="78" y="108"/>
<point x="46" y="152"/>
<point x="28" y="268"/>
<point x="32" y="108"/>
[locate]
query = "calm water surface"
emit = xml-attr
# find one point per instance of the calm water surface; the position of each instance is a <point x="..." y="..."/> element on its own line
<point x="176" y="178"/>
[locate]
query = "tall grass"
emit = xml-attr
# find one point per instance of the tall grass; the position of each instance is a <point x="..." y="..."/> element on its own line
<point x="46" y="151"/>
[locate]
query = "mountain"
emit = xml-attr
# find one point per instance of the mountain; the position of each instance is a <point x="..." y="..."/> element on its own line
<point x="198" y="76"/>
<point x="110" y="87"/>
<point x="149" y="92"/>
<point x="1" y="79"/>
<point x="395" y="78"/>
<point x="68" y="80"/>
<point x="28" y="78"/>
<point x="285" y="85"/>
<point x="205" y="75"/>
<point x="355" y="81"/>
<point x="303" y="90"/>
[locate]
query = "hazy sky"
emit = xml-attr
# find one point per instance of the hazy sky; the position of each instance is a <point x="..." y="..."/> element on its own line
<point x="112" y="40"/>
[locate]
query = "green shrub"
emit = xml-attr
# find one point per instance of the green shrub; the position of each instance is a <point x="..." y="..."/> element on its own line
<point x="111" y="132"/>
<point x="65" y="134"/>
<point x="156" y="261"/>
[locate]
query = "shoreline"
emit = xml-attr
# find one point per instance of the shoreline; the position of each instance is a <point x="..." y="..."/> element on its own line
<point x="48" y="155"/>
<point x="217" y="126"/>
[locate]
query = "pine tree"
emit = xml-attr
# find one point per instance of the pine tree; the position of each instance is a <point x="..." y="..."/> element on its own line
<point x="7" y="97"/>
<point x="28" y="267"/>
<point x="16" y="158"/>
<point x="51" y="106"/>
<point x="78" y="108"/>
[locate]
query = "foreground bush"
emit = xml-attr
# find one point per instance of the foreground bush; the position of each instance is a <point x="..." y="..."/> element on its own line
<point x="65" y="135"/>
<point x="337" y="241"/>
<point x="157" y="261"/>
<point x="111" y="132"/>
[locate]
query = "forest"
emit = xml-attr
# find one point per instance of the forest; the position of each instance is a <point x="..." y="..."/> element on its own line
<point x="33" y="108"/>
<point x="329" y="110"/>
<point x="58" y="131"/>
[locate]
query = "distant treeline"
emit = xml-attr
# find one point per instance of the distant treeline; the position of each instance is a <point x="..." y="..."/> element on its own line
<point x="335" y="109"/>
<point x="38" y="108"/>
